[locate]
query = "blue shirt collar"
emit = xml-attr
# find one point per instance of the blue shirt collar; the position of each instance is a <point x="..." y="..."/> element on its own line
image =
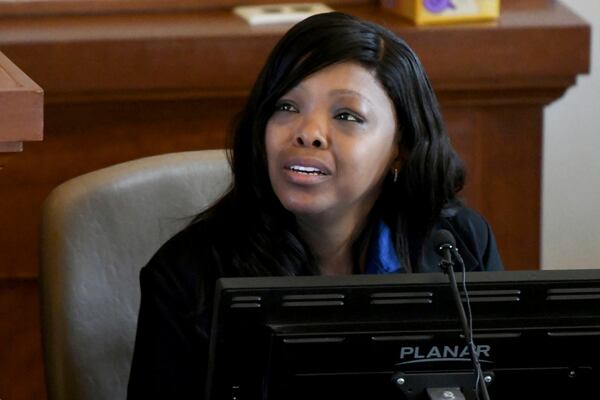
<point x="381" y="255"/>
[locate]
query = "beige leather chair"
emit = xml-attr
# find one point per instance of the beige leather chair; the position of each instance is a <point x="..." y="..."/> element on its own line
<point x="98" y="230"/>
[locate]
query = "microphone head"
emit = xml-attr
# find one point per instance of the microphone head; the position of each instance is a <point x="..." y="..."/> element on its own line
<point x="443" y="239"/>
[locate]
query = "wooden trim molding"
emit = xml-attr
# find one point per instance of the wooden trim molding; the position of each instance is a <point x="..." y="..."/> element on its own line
<point x="95" y="7"/>
<point x="21" y="107"/>
<point x="538" y="50"/>
<point x="10" y="147"/>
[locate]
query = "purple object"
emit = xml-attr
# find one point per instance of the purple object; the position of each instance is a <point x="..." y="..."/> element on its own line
<point x="437" y="6"/>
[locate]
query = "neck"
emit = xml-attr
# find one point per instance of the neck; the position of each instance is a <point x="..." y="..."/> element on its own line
<point x="331" y="240"/>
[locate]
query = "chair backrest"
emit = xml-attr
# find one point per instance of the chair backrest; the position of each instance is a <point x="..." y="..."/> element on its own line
<point x="98" y="230"/>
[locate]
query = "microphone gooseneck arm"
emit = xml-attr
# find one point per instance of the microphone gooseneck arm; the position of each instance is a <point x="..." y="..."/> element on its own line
<point x="445" y="245"/>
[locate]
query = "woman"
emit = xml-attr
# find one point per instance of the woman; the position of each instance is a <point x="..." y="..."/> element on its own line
<point x="341" y="165"/>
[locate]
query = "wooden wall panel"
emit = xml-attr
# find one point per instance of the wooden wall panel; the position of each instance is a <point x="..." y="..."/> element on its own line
<point x="21" y="367"/>
<point x="501" y="147"/>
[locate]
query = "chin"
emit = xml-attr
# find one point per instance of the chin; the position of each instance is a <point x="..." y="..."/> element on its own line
<point x="303" y="208"/>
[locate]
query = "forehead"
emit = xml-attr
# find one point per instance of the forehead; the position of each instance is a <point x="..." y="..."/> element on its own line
<point x="344" y="79"/>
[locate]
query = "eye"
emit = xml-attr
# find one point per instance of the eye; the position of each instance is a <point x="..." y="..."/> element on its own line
<point x="285" y="106"/>
<point x="349" y="116"/>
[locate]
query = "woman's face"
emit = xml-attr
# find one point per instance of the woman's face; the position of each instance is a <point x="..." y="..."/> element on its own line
<point x="331" y="141"/>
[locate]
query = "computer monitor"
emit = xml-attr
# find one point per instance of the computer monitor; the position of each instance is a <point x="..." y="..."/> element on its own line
<point x="395" y="336"/>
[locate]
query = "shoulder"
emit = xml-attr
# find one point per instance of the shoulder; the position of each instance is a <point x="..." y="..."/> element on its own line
<point x="174" y="318"/>
<point x="184" y="266"/>
<point x="468" y="223"/>
<point x="183" y="248"/>
<point x="186" y="243"/>
<point x="474" y="236"/>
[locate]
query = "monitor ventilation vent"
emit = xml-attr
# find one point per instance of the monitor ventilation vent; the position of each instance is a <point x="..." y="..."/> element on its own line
<point x="313" y="300"/>
<point x="246" y="302"/>
<point x="385" y="298"/>
<point x="492" y="296"/>
<point x="566" y="294"/>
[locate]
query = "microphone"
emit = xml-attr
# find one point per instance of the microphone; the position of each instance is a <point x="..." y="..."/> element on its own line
<point x="445" y="245"/>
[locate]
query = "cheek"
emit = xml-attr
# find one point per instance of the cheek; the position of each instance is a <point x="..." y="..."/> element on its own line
<point x="370" y="160"/>
<point x="270" y="145"/>
<point x="274" y="145"/>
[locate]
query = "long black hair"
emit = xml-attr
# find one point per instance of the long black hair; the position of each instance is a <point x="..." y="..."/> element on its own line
<point x="254" y="234"/>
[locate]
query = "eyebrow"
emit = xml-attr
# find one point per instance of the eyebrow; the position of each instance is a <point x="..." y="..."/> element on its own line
<point x="338" y="92"/>
<point x="351" y="92"/>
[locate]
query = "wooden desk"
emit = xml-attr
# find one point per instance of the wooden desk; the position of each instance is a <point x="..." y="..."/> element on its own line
<point x="125" y="86"/>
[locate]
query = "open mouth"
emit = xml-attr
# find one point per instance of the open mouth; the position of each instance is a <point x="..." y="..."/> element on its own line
<point x="306" y="170"/>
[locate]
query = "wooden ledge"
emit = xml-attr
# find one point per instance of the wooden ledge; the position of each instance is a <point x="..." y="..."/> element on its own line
<point x="21" y="107"/>
<point x="537" y="47"/>
<point x="11" y="147"/>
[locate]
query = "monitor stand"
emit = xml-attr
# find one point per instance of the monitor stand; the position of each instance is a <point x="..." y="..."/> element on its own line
<point x="438" y="385"/>
<point x="445" y="394"/>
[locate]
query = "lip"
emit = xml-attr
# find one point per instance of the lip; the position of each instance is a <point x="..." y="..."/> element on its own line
<point x="308" y="162"/>
<point x="303" y="178"/>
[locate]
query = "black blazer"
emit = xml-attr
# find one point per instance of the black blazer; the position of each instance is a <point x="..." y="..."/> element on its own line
<point x="171" y="348"/>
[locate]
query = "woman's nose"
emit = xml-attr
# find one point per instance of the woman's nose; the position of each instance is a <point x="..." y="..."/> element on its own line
<point x="312" y="133"/>
<point x="304" y="142"/>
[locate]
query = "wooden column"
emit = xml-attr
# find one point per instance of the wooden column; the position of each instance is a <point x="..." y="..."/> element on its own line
<point x="21" y="120"/>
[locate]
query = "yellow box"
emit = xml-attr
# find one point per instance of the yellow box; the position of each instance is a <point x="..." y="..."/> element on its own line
<point x="424" y="12"/>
